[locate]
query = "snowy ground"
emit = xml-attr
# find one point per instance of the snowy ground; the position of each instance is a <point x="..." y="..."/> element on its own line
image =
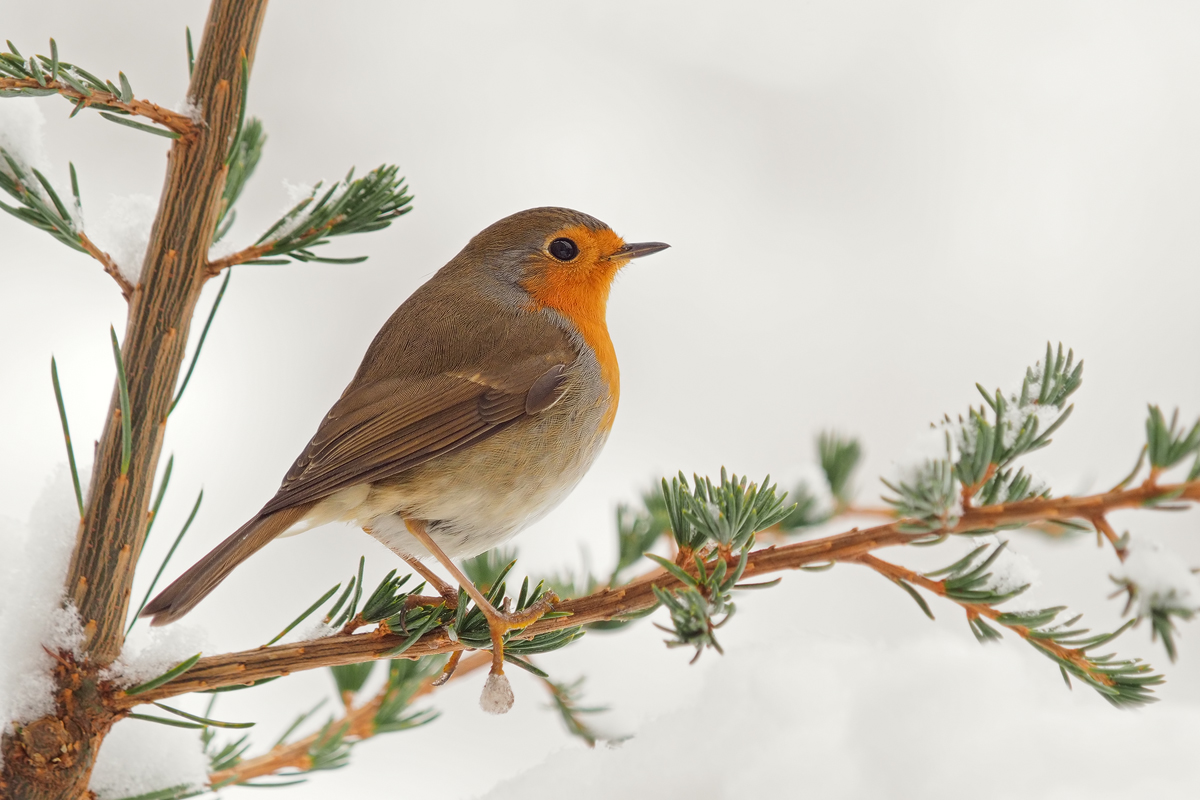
<point x="871" y="208"/>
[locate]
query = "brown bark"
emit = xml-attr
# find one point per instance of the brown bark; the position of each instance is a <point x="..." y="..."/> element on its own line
<point x="172" y="120"/>
<point x="53" y="757"/>
<point x="359" y="722"/>
<point x="251" y="665"/>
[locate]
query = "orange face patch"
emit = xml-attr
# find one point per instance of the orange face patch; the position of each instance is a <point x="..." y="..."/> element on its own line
<point x="578" y="289"/>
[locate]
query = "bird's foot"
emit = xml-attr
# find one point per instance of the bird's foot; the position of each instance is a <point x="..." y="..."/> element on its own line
<point x="497" y="697"/>
<point x="448" y="670"/>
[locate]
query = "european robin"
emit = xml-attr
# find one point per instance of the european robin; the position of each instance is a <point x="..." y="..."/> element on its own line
<point x="478" y="407"/>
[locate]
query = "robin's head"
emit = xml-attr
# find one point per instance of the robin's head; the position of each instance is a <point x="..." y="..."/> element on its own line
<point x="564" y="259"/>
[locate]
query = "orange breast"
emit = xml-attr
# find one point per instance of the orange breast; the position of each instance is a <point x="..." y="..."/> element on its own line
<point x="580" y="293"/>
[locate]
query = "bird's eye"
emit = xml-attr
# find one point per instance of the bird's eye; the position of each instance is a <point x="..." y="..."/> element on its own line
<point x="564" y="249"/>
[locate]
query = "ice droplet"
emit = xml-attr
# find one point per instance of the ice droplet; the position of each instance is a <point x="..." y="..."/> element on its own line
<point x="497" y="696"/>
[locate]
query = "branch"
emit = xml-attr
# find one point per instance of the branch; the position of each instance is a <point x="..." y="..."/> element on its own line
<point x="109" y="540"/>
<point x="160" y="315"/>
<point x="351" y="205"/>
<point x="1103" y="527"/>
<point x="171" y="120"/>
<point x="622" y="601"/>
<point x="251" y="253"/>
<point x="109" y="265"/>
<point x="1070" y="655"/>
<point x="358" y="723"/>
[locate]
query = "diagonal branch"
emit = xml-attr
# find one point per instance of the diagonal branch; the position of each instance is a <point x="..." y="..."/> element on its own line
<point x="172" y="120"/>
<point x="358" y="722"/>
<point x="1076" y="656"/>
<point x="638" y="595"/>
<point x="240" y="257"/>
<point x="109" y="265"/>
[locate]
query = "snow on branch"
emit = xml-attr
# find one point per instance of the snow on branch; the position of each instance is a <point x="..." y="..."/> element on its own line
<point x="125" y="226"/>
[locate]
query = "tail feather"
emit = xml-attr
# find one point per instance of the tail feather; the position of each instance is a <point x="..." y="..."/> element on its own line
<point x="194" y="585"/>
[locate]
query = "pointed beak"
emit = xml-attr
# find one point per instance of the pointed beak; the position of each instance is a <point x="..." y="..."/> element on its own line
<point x="637" y="250"/>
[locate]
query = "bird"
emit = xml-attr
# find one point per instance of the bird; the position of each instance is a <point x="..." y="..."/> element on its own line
<point x="477" y="408"/>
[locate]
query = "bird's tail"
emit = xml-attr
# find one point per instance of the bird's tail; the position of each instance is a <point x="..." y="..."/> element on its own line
<point x="194" y="585"/>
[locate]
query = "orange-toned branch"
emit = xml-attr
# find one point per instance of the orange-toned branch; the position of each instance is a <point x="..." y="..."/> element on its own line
<point x="109" y="265"/>
<point x="359" y="724"/>
<point x="969" y="492"/>
<point x="896" y="572"/>
<point x="240" y="257"/>
<point x="1103" y="527"/>
<point x="172" y="120"/>
<point x="609" y="603"/>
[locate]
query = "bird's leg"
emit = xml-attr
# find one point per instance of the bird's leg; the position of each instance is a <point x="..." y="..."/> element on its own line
<point x="499" y="622"/>
<point x="448" y="592"/>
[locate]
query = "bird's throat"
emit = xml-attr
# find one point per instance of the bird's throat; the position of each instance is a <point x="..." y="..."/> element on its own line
<point x="583" y="300"/>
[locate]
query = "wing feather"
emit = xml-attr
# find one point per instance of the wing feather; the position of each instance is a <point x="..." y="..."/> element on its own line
<point x="381" y="430"/>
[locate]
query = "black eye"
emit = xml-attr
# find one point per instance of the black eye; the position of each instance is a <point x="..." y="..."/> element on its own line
<point x="564" y="249"/>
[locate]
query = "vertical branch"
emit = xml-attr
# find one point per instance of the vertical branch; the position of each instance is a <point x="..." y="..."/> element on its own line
<point x="52" y="757"/>
<point x="160" y="313"/>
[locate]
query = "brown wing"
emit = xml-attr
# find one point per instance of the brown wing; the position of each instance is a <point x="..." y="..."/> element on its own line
<point x="391" y="426"/>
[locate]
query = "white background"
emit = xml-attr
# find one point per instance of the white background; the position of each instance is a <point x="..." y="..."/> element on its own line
<point x="872" y="206"/>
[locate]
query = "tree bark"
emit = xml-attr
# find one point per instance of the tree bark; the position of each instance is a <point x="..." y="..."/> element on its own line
<point x="232" y="669"/>
<point x="53" y="757"/>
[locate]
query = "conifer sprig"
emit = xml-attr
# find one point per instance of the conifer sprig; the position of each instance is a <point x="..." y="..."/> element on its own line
<point x="40" y="205"/>
<point x="37" y="76"/>
<point x="1122" y="682"/>
<point x="351" y="205"/>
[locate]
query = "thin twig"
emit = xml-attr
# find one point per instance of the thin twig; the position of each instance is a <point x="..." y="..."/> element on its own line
<point x="359" y="724"/>
<point x="896" y="572"/>
<point x="240" y="257"/>
<point x="969" y="492"/>
<point x="866" y="511"/>
<point x="638" y="595"/>
<point x="109" y="265"/>
<point x="172" y="120"/>
<point x="1102" y="526"/>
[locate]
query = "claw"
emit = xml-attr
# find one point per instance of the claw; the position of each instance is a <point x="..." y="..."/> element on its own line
<point x="501" y="622"/>
<point x="497" y="694"/>
<point x="448" y="670"/>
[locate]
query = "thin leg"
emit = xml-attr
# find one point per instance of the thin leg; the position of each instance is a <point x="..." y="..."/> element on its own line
<point x="432" y="578"/>
<point x="440" y="586"/>
<point x="499" y="622"/>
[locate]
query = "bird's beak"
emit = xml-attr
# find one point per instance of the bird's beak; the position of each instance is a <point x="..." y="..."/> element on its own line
<point x="637" y="250"/>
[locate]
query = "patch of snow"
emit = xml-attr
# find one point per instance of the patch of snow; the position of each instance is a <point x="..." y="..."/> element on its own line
<point x="223" y="248"/>
<point x="33" y="565"/>
<point x="306" y="633"/>
<point x="298" y="192"/>
<point x="63" y="631"/>
<point x="1017" y="418"/>
<point x="123" y="231"/>
<point x="190" y="110"/>
<point x="139" y="757"/>
<point x="1009" y="572"/>
<point x="149" y="652"/>
<point x="21" y="123"/>
<point x="1163" y="579"/>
